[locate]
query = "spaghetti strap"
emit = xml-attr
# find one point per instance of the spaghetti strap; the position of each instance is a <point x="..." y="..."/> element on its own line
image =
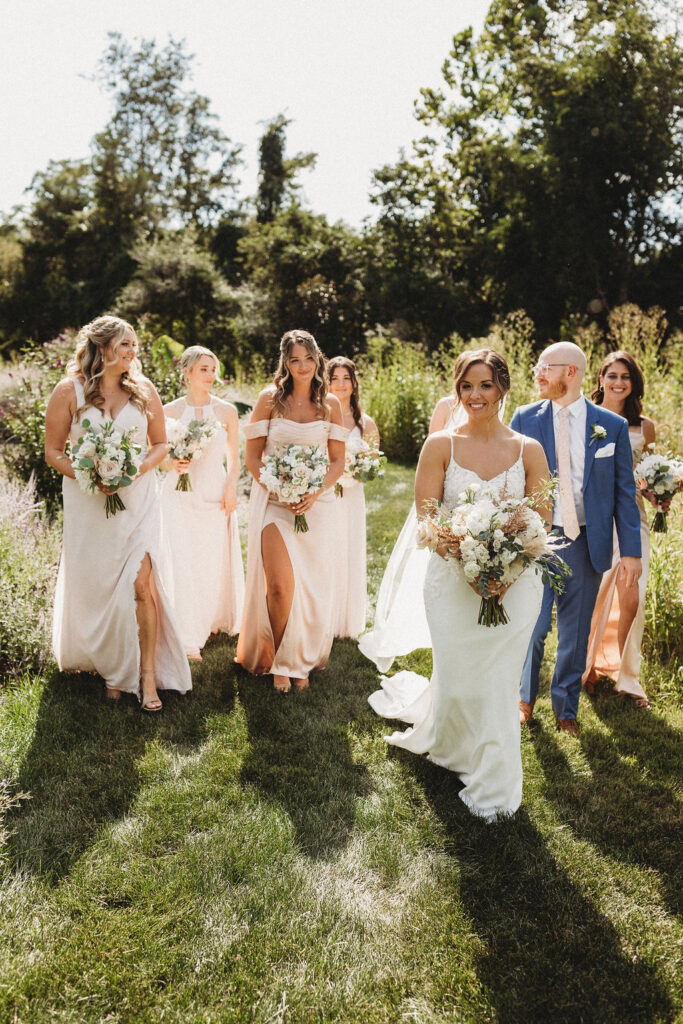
<point x="80" y="394"/>
<point x="521" y="450"/>
<point x="452" y="452"/>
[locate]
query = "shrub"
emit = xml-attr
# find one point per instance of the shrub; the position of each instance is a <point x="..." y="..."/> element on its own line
<point x="399" y="389"/>
<point x="29" y="554"/>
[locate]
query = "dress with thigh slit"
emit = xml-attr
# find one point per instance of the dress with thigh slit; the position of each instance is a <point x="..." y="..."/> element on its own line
<point x="95" y="626"/>
<point x="603" y="657"/>
<point x="308" y="635"/>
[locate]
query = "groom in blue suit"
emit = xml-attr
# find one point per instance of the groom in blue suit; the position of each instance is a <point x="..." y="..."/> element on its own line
<point x="589" y="450"/>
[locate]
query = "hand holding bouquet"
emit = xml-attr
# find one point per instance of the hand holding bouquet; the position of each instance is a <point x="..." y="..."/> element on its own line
<point x="291" y="471"/>
<point x="363" y="464"/>
<point x="187" y="441"/>
<point x="494" y="540"/>
<point x="661" y="477"/>
<point x="106" y="459"/>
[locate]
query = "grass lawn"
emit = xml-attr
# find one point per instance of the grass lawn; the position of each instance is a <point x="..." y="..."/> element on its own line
<point x="249" y="857"/>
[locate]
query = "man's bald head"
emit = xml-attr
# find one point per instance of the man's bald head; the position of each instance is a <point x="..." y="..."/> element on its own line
<point x="565" y="352"/>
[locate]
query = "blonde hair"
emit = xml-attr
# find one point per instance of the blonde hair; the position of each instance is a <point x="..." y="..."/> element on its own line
<point x="192" y="355"/>
<point x="89" y="362"/>
<point x="283" y="381"/>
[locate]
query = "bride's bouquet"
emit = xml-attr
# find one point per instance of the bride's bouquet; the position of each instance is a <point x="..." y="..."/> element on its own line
<point x="494" y="540"/>
<point x="104" y="455"/>
<point x="291" y="471"/>
<point x="661" y="475"/>
<point x="188" y="441"/>
<point x="363" y="464"/>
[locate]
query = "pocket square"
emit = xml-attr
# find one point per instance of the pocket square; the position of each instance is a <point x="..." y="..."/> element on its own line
<point x="605" y="451"/>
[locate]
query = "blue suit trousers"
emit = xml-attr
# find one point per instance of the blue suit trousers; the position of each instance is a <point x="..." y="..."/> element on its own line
<point x="574" y="612"/>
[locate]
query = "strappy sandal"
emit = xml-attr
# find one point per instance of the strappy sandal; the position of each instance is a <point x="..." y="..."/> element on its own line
<point x="154" y="704"/>
<point x="640" y="703"/>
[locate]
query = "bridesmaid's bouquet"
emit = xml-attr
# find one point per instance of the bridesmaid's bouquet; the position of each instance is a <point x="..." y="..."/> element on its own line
<point x="188" y="441"/>
<point x="291" y="471"/>
<point x="494" y="540"/>
<point x="104" y="455"/>
<point x="661" y="475"/>
<point x="363" y="464"/>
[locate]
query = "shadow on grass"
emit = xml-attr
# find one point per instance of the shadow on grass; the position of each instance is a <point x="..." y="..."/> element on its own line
<point x="550" y="955"/>
<point x="628" y="811"/>
<point x="81" y="768"/>
<point x="300" y="750"/>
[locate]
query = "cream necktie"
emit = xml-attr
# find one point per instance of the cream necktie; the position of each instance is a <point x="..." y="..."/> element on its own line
<point x="570" y="522"/>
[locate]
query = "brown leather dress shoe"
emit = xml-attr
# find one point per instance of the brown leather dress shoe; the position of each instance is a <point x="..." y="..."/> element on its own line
<point x="569" y="725"/>
<point x="526" y="711"/>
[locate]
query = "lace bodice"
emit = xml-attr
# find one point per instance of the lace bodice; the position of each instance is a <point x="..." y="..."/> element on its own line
<point x="511" y="482"/>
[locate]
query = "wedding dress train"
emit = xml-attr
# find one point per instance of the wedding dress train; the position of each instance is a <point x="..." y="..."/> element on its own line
<point x="466" y="718"/>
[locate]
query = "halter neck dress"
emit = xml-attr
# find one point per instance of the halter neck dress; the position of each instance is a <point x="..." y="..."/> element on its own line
<point x="201" y="560"/>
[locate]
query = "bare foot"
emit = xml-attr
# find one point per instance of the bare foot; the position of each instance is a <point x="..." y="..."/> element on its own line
<point x="150" y="698"/>
<point x="194" y="656"/>
<point x="113" y="694"/>
<point x="301" y="684"/>
<point x="281" y="684"/>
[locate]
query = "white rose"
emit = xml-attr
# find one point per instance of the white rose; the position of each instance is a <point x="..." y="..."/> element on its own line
<point x="427" y="534"/>
<point x="108" y="470"/>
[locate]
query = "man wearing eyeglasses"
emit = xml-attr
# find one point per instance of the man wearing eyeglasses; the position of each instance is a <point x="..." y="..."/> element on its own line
<point x="588" y="449"/>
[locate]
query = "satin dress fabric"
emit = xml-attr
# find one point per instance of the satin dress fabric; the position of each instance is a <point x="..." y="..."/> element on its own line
<point x="603" y="657"/>
<point x="307" y="639"/>
<point x="201" y="562"/>
<point x="95" y="626"/>
<point x="466" y="718"/>
<point x="350" y="552"/>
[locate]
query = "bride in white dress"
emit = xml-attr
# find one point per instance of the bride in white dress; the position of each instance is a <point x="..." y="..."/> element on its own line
<point x="466" y="718"/>
<point x="201" y="562"/>
<point x="111" y="614"/>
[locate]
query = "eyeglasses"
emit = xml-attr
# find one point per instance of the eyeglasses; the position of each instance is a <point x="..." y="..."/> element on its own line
<point x="541" y="368"/>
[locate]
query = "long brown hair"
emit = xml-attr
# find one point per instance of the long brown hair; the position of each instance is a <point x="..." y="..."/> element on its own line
<point x="633" y="404"/>
<point x="354" y="401"/>
<point x="490" y="358"/>
<point x="283" y="380"/>
<point x="89" y="362"/>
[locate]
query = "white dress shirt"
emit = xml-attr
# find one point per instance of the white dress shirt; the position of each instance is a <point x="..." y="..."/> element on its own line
<point x="577" y="455"/>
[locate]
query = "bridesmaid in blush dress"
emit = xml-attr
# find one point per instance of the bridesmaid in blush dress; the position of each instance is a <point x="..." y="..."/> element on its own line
<point x="619" y="616"/>
<point x="350" y="576"/>
<point x="201" y="555"/>
<point x="111" y="613"/>
<point x="288" y="625"/>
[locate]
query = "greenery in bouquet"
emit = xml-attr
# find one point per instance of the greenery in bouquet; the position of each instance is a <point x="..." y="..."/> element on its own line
<point x="291" y="471"/>
<point x="187" y="441"/>
<point x="660" y="476"/>
<point x="362" y="464"/>
<point x="493" y="541"/>
<point x="104" y="456"/>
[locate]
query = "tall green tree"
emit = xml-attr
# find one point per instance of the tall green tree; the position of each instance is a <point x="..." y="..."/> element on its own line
<point x="552" y="153"/>
<point x="277" y="182"/>
<point x="162" y="157"/>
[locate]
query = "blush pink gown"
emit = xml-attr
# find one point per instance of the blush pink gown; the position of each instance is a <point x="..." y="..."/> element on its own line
<point x="603" y="658"/>
<point x="201" y="558"/>
<point x="350" y="575"/>
<point x="308" y="635"/>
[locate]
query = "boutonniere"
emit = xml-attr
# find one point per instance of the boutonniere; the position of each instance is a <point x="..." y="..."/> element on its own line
<point x="598" y="433"/>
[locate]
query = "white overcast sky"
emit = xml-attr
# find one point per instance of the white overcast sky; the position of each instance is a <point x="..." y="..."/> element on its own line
<point x="346" y="71"/>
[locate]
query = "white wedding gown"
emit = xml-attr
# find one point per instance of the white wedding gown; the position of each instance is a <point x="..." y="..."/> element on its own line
<point x="466" y="718"/>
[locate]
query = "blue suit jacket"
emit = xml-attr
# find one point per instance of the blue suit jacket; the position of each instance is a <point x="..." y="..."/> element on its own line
<point x="609" y="491"/>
